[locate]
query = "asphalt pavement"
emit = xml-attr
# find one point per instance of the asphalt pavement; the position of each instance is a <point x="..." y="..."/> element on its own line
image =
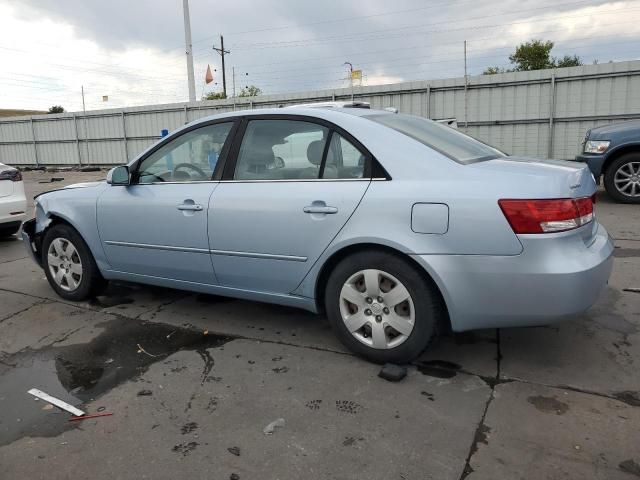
<point x="193" y="380"/>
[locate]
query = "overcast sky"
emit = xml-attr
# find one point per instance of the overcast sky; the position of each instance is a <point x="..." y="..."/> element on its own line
<point x="133" y="50"/>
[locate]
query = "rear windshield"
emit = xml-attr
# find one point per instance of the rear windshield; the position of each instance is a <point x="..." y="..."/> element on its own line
<point x="446" y="140"/>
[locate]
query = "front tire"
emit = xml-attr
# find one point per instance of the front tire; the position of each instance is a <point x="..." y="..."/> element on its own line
<point x="622" y="179"/>
<point x="69" y="265"/>
<point x="381" y="307"/>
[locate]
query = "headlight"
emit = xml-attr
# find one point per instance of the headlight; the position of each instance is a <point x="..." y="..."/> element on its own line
<point x="596" y="146"/>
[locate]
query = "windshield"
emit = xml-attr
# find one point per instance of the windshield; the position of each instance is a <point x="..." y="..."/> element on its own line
<point x="446" y="140"/>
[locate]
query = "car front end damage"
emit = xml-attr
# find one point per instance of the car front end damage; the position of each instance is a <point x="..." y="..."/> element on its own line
<point x="32" y="240"/>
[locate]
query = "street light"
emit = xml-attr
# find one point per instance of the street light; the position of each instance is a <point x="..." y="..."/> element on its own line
<point x="350" y="77"/>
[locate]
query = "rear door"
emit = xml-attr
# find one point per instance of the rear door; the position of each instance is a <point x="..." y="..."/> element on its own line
<point x="291" y="184"/>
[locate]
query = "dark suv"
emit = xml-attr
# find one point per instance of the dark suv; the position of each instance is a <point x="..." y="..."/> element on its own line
<point x="613" y="151"/>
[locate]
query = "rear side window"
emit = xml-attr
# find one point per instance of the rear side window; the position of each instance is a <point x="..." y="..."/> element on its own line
<point x="343" y="159"/>
<point x="446" y="140"/>
<point x="281" y="150"/>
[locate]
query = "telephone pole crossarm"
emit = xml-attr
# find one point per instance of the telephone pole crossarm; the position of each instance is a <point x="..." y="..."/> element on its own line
<point x="222" y="53"/>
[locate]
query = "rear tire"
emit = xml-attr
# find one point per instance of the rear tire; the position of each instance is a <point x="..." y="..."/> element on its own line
<point x="69" y="265"/>
<point x="381" y="307"/>
<point x="622" y="178"/>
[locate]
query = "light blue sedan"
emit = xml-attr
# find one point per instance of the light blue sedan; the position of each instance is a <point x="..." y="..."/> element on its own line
<point x="397" y="227"/>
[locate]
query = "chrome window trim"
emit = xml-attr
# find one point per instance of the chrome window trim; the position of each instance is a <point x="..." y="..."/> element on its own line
<point x="287" y="180"/>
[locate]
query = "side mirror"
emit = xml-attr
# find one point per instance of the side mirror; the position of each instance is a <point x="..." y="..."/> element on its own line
<point x="119" y="176"/>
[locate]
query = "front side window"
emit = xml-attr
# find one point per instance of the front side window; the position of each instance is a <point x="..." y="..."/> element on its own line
<point x="446" y="140"/>
<point x="281" y="150"/>
<point x="189" y="158"/>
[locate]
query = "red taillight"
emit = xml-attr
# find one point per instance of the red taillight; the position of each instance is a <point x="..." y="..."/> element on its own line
<point x="548" y="215"/>
<point x="13" y="174"/>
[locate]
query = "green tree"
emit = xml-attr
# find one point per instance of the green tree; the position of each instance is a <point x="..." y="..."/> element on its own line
<point x="569" y="61"/>
<point x="535" y="55"/>
<point x="493" y="70"/>
<point x="250" y="91"/>
<point x="56" y="109"/>
<point x="214" y="96"/>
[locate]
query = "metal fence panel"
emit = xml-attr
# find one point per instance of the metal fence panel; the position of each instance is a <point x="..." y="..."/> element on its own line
<point x="516" y="112"/>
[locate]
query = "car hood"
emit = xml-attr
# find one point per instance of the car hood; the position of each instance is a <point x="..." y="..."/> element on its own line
<point x="74" y="186"/>
<point x="85" y="184"/>
<point x="603" y="132"/>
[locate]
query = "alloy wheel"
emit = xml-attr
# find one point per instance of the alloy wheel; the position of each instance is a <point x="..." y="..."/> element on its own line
<point x="627" y="179"/>
<point x="64" y="264"/>
<point x="377" y="309"/>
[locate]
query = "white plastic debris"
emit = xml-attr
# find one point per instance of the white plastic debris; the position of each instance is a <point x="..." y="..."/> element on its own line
<point x="269" y="429"/>
<point x="57" y="402"/>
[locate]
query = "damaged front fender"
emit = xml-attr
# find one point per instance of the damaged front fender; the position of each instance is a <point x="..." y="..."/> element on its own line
<point x="32" y="232"/>
<point x="32" y="240"/>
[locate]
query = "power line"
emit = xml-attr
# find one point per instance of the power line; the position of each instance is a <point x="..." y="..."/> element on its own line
<point x="354" y="37"/>
<point x="450" y="56"/>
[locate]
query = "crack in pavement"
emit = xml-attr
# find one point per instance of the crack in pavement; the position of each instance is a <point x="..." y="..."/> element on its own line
<point x="8" y="317"/>
<point x="490" y="381"/>
<point x="14" y="260"/>
<point x="159" y="308"/>
<point x="480" y="434"/>
<point x="60" y="301"/>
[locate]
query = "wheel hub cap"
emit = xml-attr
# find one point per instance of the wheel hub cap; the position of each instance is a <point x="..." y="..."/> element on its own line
<point x="377" y="309"/>
<point x="64" y="264"/>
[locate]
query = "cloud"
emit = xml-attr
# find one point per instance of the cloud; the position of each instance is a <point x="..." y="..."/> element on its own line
<point x="133" y="51"/>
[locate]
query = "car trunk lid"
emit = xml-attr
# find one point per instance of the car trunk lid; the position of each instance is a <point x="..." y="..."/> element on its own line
<point x="522" y="177"/>
<point x="6" y="188"/>
<point x="515" y="178"/>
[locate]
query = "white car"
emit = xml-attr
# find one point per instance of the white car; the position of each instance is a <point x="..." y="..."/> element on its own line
<point x="13" y="203"/>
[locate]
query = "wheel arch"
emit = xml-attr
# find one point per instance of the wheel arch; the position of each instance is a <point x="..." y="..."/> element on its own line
<point x="53" y="217"/>
<point x="617" y="153"/>
<point x="342" y="253"/>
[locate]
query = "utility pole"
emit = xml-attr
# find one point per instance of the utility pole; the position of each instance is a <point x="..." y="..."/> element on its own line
<point x="86" y="128"/>
<point x="189" y="51"/>
<point x="222" y="53"/>
<point x="350" y="77"/>
<point x="233" y="75"/>
<point x="466" y="83"/>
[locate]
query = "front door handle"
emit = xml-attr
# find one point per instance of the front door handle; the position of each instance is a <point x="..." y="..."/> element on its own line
<point x="320" y="209"/>
<point x="192" y="207"/>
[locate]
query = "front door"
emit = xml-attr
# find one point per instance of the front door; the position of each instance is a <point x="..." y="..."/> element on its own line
<point x="295" y="184"/>
<point x="157" y="226"/>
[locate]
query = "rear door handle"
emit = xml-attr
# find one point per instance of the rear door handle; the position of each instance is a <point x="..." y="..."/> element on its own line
<point x="190" y="207"/>
<point x="320" y="209"/>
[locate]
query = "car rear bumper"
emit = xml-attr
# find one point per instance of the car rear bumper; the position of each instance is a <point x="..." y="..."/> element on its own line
<point x="595" y="163"/>
<point x="12" y="209"/>
<point x="555" y="277"/>
<point x="32" y="240"/>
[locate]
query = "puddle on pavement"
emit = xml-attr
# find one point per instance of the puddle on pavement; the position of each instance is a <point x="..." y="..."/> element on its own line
<point x="81" y="373"/>
<point x="122" y="293"/>
<point x="438" y="368"/>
